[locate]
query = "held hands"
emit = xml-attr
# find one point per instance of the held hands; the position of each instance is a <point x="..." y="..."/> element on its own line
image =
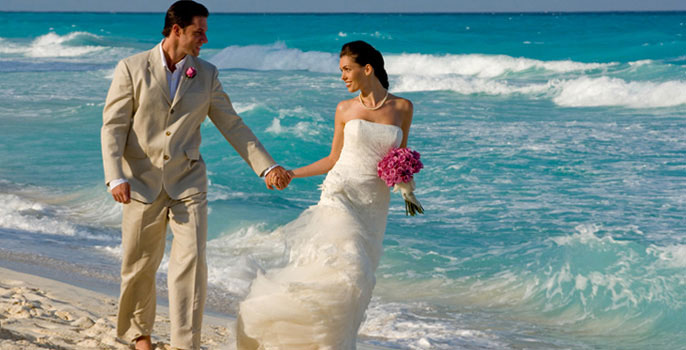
<point x="279" y="178"/>
<point x="122" y="193"/>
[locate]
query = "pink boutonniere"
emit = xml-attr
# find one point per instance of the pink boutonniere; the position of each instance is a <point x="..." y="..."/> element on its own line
<point x="191" y="72"/>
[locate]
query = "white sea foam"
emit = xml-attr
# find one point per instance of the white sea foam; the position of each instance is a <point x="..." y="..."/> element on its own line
<point x="279" y="57"/>
<point x="244" y="107"/>
<point x="376" y="35"/>
<point x="585" y="235"/>
<point x="641" y="63"/>
<point x="222" y="193"/>
<point x="22" y="214"/>
<point x="275" y="127"/>
<point x="465" y="85"/>
<point x="300" y="129"/>
<point x="483" y="66"/>
<point x="566" y="84"/>
<point x="300" y="112"/>
<point x="399" y="324"/>
<point x="606" y="91"/>
<point x="297" y="121"/>
<point x="275" y="57"/>
<point x="54" y="45"/>
<point x="88" y="213"/>
<point x="108" y="74"/>
<point x="672" y="255"/>
<point x="113" y="251"/>
<point x="235" y="258"/>
<point x="581" y="92"/>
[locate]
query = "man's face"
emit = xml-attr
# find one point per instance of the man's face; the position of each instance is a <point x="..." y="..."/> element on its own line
<point x="193" y="36"/>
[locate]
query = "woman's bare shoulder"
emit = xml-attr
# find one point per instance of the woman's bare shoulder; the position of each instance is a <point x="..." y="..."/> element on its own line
<point x="402" y="104"/>
<point x="344" y="107"/>
<point x="345" y="104"/>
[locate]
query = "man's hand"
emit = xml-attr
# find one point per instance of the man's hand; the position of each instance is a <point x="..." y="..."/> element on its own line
<point x="122" y="193"/>
<point x="277" y="177"/>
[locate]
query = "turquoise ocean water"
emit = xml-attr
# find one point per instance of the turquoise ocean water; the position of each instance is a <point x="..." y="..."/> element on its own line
<point x="553" y="144"/>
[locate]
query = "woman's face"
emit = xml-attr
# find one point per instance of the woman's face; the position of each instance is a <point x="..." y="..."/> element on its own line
<point x="352" y="73"/>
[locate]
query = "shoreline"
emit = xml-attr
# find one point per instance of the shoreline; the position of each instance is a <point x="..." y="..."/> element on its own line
<point x="91" y="278"/>
<point x="74" y="311"/>
<point x="42" y="313"/>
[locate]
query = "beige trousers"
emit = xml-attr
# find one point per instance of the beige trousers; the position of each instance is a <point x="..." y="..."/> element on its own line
<point x="144" y="228"/>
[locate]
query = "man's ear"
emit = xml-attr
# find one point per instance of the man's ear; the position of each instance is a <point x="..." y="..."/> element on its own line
<point x="176" y="30"/>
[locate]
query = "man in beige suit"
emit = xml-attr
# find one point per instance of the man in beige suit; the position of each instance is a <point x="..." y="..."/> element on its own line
<point x="150" y="145"/>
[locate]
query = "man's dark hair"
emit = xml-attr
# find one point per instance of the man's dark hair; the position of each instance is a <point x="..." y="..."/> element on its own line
<point x="182" y="13"/>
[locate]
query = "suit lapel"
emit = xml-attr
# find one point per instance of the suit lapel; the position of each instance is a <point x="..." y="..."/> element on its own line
<point x="157" y="71"/>
<point x="185" y="82"/>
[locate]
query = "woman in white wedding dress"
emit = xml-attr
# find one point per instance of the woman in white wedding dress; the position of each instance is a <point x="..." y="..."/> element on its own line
<point x="318" y="300"/>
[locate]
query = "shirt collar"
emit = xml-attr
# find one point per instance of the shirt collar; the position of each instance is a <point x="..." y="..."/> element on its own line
<point x="178" y="66"/>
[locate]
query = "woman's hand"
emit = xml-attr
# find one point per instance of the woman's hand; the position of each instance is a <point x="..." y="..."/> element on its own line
<point x="277" y="177"/>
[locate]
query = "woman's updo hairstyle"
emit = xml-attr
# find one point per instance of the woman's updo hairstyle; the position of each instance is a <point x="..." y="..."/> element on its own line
<point x="364" y="54"/>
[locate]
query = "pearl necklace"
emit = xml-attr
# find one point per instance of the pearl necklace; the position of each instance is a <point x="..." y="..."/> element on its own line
<point x="373" y="108"/>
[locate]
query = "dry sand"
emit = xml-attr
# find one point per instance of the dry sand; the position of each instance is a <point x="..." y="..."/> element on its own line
<point x="40" y="313"/>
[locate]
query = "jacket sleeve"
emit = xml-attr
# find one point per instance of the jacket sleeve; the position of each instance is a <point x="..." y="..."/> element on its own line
<point x="235" y="131"/>
<point x="116" y="122"/>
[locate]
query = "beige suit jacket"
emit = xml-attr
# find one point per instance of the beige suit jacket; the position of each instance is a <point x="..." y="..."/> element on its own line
<point x="153" y="139"/>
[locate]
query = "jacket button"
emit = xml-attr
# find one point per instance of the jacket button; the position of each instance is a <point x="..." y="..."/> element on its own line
<point x="168" y="133"/>
<point x="171" y="111"/>
<point x="166" y="157"/>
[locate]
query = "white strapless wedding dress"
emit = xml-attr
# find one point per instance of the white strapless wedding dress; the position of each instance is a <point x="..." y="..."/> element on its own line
<point x="318" y="300"/>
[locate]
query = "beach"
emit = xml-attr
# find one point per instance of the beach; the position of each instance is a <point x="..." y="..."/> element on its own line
<point x="42" y="313"/>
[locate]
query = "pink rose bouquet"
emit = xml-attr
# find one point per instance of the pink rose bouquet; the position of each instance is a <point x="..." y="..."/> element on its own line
<point x="397" y="170"/>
